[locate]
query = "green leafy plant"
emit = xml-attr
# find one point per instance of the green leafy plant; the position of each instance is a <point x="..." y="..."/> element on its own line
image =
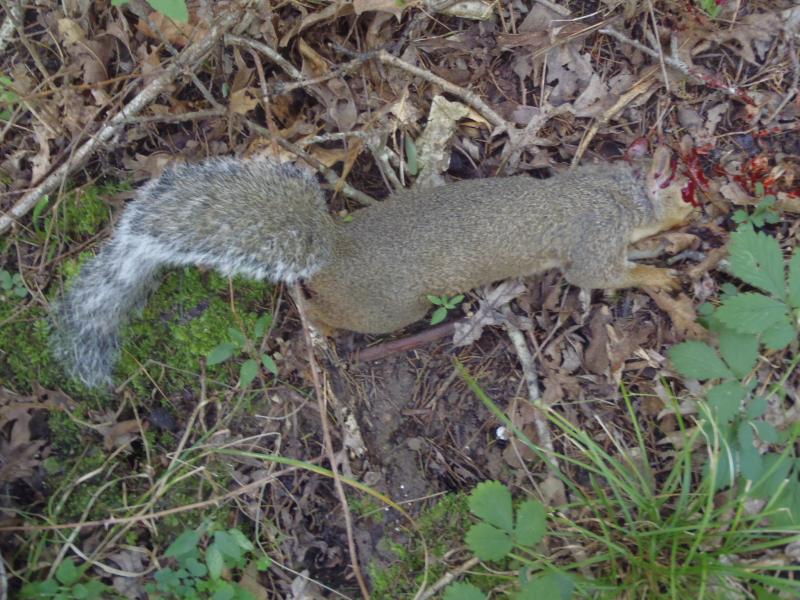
<point x="712" y="7"/>
<point x="239" y="344"/>
<point x="744" y="322"/>
<point x="8" y="98"/>
<point x="12" y="285"/>
<point x="503" y="533"/>
<point x="445" y="305"/>
<point x="173" y="9"/>
<point x="638" y="531"/>
<point x="69" y="582"/>
<point x="764" y="213"/>
<point x="204" y="560"/>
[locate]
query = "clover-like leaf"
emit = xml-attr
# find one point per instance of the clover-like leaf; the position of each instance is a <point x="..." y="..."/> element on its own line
<point x="490" y="501"/>
<point x="488" y="542"/>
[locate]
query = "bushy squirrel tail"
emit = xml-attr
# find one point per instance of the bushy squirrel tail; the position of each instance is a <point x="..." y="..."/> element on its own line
<point x="87" y="319"/>
<point x="253" y="218"/>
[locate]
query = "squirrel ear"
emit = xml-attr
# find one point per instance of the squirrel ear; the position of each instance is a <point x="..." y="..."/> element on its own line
<point x="661" y="172"/>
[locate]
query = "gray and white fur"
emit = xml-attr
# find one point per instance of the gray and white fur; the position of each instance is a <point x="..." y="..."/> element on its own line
<point x="233" y="215"/>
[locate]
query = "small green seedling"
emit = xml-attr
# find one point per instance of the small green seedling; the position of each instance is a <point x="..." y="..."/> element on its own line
<point x="744" y="322"/>
<point x="445" y="305"/>
<point x="712" y="7"/>
<point x="12" y="285"/>
<point x="173" y="9"/>
<point x="205" y="561"/>
<point x="239" y="344"/>
<point x="8" y="98"/>
<point x="504" y="533"/>
<point x="764" y="212"/>
<point x="69" y="582"/>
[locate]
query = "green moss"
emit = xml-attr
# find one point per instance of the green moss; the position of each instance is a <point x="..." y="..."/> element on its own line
<point x="24" y="352"/>
<point x="443" y="526"/>
<point x="188" y="315"/>
<point x="83" y="212"/>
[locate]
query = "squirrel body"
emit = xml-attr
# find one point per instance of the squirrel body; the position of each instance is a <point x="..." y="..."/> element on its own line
<point x="371" y="275"/>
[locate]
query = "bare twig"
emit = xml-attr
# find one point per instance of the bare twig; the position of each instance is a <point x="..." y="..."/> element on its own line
<point x="186" y="60"/>
<point x="676" y="63"/>
<point x="467" y="96"/>
<point x="328" y="442"/>
<point x="448" y="577"/>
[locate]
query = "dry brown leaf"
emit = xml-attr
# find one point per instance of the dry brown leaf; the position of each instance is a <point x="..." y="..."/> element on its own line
<point x="119" y="434"/>
<point x="388" y="6"/>
<point x="177" y="34"/>
<point x="243" y="101"/>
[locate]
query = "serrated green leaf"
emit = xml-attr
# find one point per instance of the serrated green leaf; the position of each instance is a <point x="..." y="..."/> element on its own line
<point x="6" y="281"/>
<point x="195" y="567"/>
<point x="220" y="353"/>
<point x="184" y="544"/>
<point x="438" y="315"/>
<point x="726" y="400"/>
<point x="435" y="300"/>
<point x="228" y="545"/>
<point x="241" y="540"/>
<point x="237" y="337"/>
<point x="269" y="364"/>
<point x="224" y="590"/>
<point x="456" y="299"/>
<point x="769" y="485"/>
<point x="531" y="523"/>
<point x="751" y="313"/>
<point x="794" y="279"/>
<point x="756" y="258"/>
<point x="552" y="586"/>
<point x="68" y="573"/>
<point x="779" y="335"/>
<point x="698" y="360"/>
<point x="262" y="325"/>
<point x="214" y="561"/>
<point x="462" y="591"/>
<point x="487" y="542"/>
<point x="756" y="407"/>
<point x="751" y="464"/>
<point x="491" y="502"/>
<point x="739" y="350"/>
<point x="172" y="9"/>
<point x="766" y="432"/>
<point x="247" y="372"/>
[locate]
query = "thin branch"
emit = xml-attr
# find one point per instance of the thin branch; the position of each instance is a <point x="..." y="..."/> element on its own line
<point x="328" y="442"/>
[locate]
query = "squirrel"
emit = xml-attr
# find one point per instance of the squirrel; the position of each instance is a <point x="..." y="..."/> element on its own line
<point x="270" y="221"/>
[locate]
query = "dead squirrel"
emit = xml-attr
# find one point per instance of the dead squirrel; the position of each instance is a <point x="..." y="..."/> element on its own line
<point x="372" y="275"/>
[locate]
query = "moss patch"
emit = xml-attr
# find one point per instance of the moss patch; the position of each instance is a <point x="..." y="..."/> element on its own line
<point x="187" y="316"/>
<point x="443" y="526"/>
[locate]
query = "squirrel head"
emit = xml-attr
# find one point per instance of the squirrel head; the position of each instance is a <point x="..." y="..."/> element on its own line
<point x="666" y="187"/>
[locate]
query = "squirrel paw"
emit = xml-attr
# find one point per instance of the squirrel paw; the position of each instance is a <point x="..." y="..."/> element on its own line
<point x="656" y="277"/>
